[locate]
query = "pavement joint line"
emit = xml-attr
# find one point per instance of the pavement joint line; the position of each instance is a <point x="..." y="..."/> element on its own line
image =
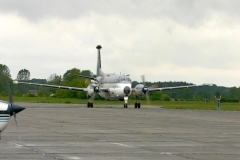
<point x="123" y="145"/>
<point x="33" y="150"/>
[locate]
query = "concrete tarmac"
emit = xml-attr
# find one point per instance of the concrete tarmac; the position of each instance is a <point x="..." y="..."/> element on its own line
<point x="75" y="132"/>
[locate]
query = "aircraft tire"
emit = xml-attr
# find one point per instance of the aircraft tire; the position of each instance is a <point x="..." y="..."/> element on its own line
<point x="139" y="105"/>
<point x="136" y="105"/>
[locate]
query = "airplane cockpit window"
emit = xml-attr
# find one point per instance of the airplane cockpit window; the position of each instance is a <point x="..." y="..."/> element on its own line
<point x="123" y="79"/>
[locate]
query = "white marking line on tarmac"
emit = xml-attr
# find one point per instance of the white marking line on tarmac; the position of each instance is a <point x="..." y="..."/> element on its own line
<point x="123" y="145"/>
<point x="18" y="145"/>
<point x="168" y="153"/>
<point x="75" y="158"/>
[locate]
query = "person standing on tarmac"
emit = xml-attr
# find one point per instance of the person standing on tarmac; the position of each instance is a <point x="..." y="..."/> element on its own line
<point x="218" y="102"/>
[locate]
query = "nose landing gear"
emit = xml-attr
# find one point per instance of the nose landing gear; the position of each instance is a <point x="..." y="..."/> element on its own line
<point x="126" y="101"/>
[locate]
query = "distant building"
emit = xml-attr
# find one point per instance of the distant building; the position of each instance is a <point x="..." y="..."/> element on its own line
<point x="34" y="92"/>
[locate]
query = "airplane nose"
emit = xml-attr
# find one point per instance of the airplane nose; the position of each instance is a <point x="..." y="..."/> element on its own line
<point x="16" y="109"/>
<point x="126" y="90"/>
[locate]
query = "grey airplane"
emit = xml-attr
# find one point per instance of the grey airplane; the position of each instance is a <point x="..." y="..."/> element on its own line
<point x="7" y="110"/>
<point x="113" y="86"/>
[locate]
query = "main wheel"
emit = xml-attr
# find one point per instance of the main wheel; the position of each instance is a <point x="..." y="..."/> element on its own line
<point x="88" y="105"/>
<point x="136" y="105"/>
<point x="139" y="105"/>
<point x="91" y="105"/>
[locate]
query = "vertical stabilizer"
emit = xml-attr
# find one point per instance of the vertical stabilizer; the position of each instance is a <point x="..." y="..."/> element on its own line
<point x="99" y="61"/>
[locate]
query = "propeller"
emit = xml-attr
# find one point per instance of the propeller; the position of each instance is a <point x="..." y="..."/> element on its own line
<point x="14" y="108"/>
<point x="145" y="89"/>
<point x="97" y="88"/>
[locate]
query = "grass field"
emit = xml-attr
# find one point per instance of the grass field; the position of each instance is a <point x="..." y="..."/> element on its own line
<point x="193" y="105"/>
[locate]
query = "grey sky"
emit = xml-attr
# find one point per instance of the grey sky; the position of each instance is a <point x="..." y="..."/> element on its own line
<point x="171" y="40"/>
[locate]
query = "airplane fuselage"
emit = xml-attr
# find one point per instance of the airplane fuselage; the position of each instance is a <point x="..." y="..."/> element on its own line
<point x="119" y="86"/>
<point x="4" y="115"/>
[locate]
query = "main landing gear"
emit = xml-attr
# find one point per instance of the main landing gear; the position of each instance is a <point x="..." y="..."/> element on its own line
<point x="90" y="105"/>
<point x="137" y="105"/>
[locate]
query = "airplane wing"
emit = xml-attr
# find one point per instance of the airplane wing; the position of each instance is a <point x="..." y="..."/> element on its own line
<point x="177" y="87"/>
<point x="87" y="77"/>
<point x="53" y="86"/>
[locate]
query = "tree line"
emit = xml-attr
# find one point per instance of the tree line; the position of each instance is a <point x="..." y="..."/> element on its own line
<point x="202" y="93"/>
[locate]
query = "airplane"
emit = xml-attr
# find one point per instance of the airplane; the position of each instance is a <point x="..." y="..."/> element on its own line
<point x="7" y="110"/>
<point x="112" y="86"/>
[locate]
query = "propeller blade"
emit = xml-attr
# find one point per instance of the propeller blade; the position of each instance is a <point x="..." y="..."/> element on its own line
<point x="143" y="79"/>
<point x="146" y="88"/>
<point x="15" y="118"/>
<point x="9" y="93"/>
<point x="154" y="86"/>
<point x="86" y="81"/>
<point x="134" y="92"/>
<point x="147" y="98"/>
<point x="93" y="96"/>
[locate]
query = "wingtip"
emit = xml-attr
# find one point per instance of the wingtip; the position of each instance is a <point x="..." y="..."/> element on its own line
<point x="208" y="84"/>
<point x="15" y="82"/>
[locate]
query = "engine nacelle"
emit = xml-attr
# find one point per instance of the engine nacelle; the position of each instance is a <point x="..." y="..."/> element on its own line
<point x="92" y="89"/>
<point x="140" y="90"/>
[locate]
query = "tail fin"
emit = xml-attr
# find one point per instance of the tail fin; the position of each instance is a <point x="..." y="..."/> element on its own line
<point x="99" y="61"/>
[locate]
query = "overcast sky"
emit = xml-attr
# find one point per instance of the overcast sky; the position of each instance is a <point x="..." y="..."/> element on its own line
<point x="195" y="41"/>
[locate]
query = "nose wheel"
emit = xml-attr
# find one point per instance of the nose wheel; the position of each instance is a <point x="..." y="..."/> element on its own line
<point x="126" y="101"/>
